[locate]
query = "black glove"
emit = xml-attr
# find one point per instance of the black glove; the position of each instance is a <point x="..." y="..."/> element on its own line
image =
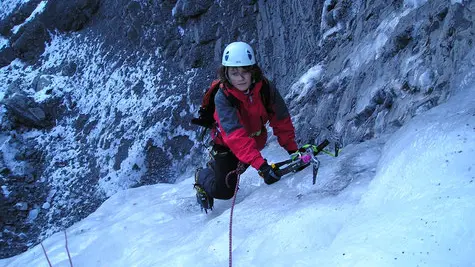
<point x="266" y="172"/>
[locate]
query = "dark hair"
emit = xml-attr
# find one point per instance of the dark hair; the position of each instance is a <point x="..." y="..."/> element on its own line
<point x="255" y="70"/>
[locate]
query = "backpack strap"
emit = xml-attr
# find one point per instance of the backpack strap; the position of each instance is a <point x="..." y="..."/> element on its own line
<point x="210" y="93"/>
<point x="232" y="99"/>
<point x="207" y="108"/>
<point x="205" y="114"/>
<point x="206" y="111"/>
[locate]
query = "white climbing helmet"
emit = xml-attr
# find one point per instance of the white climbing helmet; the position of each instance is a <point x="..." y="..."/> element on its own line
<point x="238" y="54"/>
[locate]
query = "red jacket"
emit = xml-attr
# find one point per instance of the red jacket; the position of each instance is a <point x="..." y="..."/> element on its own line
<point x="243" y="129"/>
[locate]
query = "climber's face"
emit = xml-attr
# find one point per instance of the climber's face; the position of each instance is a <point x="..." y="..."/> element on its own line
<point x="239" y="78"/>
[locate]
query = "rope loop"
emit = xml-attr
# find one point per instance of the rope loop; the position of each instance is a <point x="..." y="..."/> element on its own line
<point x="241" y="168"/>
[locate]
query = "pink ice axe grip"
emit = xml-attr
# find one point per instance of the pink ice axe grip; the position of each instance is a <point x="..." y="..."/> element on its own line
<point x="306" y="158"/>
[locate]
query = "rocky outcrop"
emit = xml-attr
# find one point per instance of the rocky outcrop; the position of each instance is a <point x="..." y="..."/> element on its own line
<point x="27" y="31"/>
<point x="26" y="112"/>
<point x="374" y="65"/>
<point x="68" y="16"/>
<point x="22" y="196"/>
<point x="21" y="13"/>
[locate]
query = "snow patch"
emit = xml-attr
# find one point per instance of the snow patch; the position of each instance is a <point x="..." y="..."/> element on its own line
<point x="174" y="11"/>
<point x="5" y="191"/>
<point x="32" y="215"/>
<point x="372" y="46"/>
<point x="130" y="93"/>
<point x="3" y="42"/>
<point x="414" y="3"/>
<point x="38" y="10"/>
<point x="181" y="31"/>
<point x="46" y="205"/>
<point x="8" y="6"/>
<point x="306" y="82"/>
<point x="331" y="31"/>
<point x="9" y="151"/>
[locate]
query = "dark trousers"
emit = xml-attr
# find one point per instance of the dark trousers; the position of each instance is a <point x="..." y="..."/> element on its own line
<point x="213" y="177"/>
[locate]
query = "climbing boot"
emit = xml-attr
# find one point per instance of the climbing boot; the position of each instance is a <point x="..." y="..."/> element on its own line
<point x="206" y="202"/>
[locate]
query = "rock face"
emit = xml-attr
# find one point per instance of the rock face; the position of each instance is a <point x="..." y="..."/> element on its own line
<point x="379" y="64"/>
<point x="109" y="87"/>
<point x="26" y="112"/>
<point x="28" y="42"/>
